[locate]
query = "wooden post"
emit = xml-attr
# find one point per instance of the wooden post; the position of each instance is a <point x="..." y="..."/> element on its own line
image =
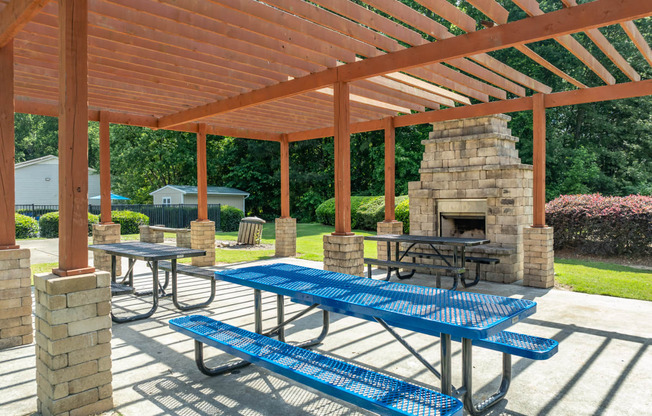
<point x="202" y="176"/>
<point x="390" y="169"/>
<point x="7" y="149"/>
<point x="73" y="138"/>
<point x="342" y="160"/>
<point x="285" y="177"/>
<point x="105" y="169"/>
<point x="539" y="161"/>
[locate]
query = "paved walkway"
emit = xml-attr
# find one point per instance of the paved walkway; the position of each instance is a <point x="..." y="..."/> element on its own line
<point x="604" y="364"/>
<point x="46" y="250"/>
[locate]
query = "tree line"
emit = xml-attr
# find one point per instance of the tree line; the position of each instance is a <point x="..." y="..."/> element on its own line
<point x="603" y="147"/>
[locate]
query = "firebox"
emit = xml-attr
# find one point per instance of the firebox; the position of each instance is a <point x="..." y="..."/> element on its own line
<point x="462" y="217"/>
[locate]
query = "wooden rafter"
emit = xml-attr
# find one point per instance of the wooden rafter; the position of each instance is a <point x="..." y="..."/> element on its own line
<point x="636" y="37"/>
<point x="15" y="15"/>
<point x="546" y="26"/>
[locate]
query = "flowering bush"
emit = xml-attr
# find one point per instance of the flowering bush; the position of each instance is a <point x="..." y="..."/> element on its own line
<point x="601" y="225"/>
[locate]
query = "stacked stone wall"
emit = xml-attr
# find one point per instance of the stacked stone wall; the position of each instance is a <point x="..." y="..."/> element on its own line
<point x="344" y="254"/>
<point x="202" y="237"/>
<point x="73" y="344"/>
<point x="15" y="298"/>
<point x="286" y="237"/>
<point x="383" y="227"/>
<point x="106" y="234"/>
<point x="147" y="235"/>
<point x="539" y="257"/>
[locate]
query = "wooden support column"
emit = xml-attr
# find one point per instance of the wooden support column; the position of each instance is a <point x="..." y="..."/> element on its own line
<point x="7" y="149"/>
<point x="73" y="138"/>
<point x="285" y="176"/>
<point x="539" y="161"/>
<point x="342" y="159"/>
<point x="390" y="169"/>
<point x="105" y="169"/>
<point x="202" y="175"/>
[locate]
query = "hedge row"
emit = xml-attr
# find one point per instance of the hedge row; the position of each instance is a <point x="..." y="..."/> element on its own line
<point x="129" y="222"/>
<point x="595" y="224"/>
<point x="366" y="211"/>
<point x="230" y="218"/>
<point x="26" y="227"/>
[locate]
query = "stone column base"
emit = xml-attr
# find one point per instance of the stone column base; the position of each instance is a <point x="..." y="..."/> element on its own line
<point x="286" y="237"/>
<point x="15" y="298"/>
<point x="73" y="344"/>
<point x="202" y="237"/>
<point x="344" y="254"/>
<point x="394" y="227"/>
<point x="539" y="258"/>
<point x="147" y="235"/>
<point x="106" y="234"/>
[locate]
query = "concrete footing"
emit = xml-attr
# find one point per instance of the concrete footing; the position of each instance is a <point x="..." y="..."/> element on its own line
<point x="286" y="237"/>
<point x="539" y="257"/>
<point x="106" y="234"/>
<point x="344" y="254"/>
<point x="202" y="237"/>
<point x="15" y="298"/>
<point x="73" y="344"/>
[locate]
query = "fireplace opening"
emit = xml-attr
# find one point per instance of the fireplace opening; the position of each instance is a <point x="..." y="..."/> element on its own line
<point x="463" y="226"/>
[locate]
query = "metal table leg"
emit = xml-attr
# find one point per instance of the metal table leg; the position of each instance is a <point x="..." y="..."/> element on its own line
<point x="446" y="376"/>
<point x="149" y="313"/>
<point x="467" y="376"/>
<point x="175" y="291"/>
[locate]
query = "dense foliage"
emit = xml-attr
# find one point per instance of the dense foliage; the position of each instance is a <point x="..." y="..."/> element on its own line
<point x="602" y="225"/>
<point x="49" y="224"/>
<point x="129" y="221"/>
<point x="366" y="211"/>
<point x="230" y="218"/>
<point x="26" y="227"/>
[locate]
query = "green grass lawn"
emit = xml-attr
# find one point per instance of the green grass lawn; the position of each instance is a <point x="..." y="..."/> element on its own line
<point x="604" y="279"/>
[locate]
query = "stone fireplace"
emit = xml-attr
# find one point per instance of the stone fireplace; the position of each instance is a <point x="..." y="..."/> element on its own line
<point x="473" y="184"/>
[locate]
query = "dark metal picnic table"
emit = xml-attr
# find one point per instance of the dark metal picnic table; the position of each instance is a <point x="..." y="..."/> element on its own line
<point x="438" y="312"/>
<point x="458" y="245"/>
<point x="152" y="254"/>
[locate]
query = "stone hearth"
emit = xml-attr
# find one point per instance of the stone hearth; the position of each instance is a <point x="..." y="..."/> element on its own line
<point x="473" y="184"/>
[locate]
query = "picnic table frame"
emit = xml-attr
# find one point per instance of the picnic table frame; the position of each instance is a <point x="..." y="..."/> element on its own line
<point x="152" y="254"/>
<point x="458" y="245"/>
<point x="431" y="311"/>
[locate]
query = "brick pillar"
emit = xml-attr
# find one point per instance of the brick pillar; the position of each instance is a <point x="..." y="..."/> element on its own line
<point x="539" y="258"/>
<point x="73" y="344"/>
<point x="15" y="298"/>
<point x="286" y="237"/>
<point x="344" y="254"/>
<point x="202" y="237"/>
<point x="147" y="235"/>
<point x="106" y="234"/>
<point x="183" y="239"/>
<point x="394" y="227"/>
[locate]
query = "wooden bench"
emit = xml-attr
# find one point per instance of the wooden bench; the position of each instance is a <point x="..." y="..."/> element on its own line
<point x="390" y="264"/>
<point x="471" y="259"/>
<point x="362" y="387"/>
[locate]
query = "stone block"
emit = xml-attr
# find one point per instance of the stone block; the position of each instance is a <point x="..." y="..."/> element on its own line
<point x="286" y="237"/>
<point x="92" y="381"/>
<point x="89" y="325"/>
<point x="96" y="408"/>
<point x="70" y="344"/>
<point x="86" y="297"/>
<point x="88" y="354"/>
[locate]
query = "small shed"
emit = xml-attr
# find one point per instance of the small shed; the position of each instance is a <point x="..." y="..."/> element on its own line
<point x="185" y="194"/>
<point x="37" y="181"/>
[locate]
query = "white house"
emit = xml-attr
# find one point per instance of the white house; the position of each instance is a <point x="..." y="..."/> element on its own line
<point x="183" y="194"/>
<point x="37" y="181"/>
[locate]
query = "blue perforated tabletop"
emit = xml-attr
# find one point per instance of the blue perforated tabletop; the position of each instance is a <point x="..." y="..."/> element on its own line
<point x="423" y="309"/>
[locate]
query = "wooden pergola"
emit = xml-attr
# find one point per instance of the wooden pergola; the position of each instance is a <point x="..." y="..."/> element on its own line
<point x="280" y="70"/>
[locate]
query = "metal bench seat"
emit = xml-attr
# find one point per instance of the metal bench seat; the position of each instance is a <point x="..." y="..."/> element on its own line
<point x="186" y="269"/>
<point x="526" y="346"/>
<point x="362" y="387"/>
<point x="118" y="289"/>
<point x="471" y="259"/>
<point x="194" y="271"/>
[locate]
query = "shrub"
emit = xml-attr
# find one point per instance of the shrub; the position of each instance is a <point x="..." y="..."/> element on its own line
<point x="366" y="211"/>
<point x="129" y="221"/>
<point x="49" y="224"/>
<point x="230" y="218"/>
<point x="26" y="227"/>
<point x="402" y="213"/>
<point x="602" y="225"/>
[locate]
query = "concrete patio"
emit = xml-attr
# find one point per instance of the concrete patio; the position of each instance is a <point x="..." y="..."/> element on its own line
<point x="603" y="367"/>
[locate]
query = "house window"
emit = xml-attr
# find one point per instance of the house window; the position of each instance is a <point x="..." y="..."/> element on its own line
<point x="167" y="200"/>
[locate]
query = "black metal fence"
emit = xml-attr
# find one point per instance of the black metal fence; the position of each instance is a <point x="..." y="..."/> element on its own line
<point x="175" y="216"/>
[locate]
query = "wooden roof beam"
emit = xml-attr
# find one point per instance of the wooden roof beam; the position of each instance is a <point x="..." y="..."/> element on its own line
<point x="549" y="25"/>
<point x="531" y="7"/>
<point x="492" y="10"/>
<point x="607" y="48"/>
<point x="636" y="37"/>
<point x="15" y="15"/>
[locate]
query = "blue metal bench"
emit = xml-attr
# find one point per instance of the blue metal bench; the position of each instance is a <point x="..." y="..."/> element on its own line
<point x="362" y="387"/>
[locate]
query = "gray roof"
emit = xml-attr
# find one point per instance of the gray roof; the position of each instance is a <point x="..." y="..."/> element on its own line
<point x="212" y="190"/>
<point x="41" y="159"/>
